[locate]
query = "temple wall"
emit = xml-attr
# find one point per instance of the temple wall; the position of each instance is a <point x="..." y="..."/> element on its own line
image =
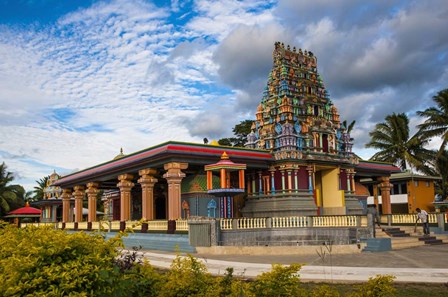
<point x="333" y="201"/>
<point x="290" y="236"/>
<point x="280" y="205"/>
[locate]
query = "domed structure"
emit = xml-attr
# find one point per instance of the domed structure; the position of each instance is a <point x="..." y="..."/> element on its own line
<point x="120" y="155"/>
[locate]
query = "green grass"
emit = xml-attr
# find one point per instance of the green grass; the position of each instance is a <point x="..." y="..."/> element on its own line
<point x="403" y="289"/>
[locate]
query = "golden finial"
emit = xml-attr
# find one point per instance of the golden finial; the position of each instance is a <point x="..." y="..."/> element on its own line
<point x="224" y="156"/>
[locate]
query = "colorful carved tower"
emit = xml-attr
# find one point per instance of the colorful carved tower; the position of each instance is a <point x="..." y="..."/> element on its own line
<point x="296" y="120"/>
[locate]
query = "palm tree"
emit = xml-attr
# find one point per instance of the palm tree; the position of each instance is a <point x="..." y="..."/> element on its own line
<point x="392" y="140"/>
<point x="436" y="123"/>
<point x="10" y="195"/>
<point x="438" y="167"/>
<point x="38" y="191"/>
<point x="349" y="127"/>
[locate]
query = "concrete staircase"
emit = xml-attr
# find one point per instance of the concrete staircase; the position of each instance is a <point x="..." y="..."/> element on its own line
<point x="404" y="237"/>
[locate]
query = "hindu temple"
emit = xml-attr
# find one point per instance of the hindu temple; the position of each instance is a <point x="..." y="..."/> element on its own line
<point x="297" y="161"/>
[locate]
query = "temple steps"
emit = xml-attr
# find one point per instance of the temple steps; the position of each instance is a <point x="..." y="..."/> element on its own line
<point x="405" y="237"/>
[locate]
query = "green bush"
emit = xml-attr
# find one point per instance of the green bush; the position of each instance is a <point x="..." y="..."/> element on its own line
<point x="379" y="286"/>
<point x="48" y="262"/>
<point x="280" y="281"/>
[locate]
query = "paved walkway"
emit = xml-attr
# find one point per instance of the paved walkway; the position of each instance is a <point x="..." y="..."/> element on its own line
<point x="425" y="264"/>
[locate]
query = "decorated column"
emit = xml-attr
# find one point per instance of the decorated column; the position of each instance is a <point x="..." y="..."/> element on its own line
<point x="78" y="193"/>
<point x="92" y="192"/>
<point x="385" y="187"/>
<point x="174" y="176"/>
<point x="66" y="194"/>
<point x="272" y="171"/>
<point x="125" y="185"/>
<point x="147" y="181"/>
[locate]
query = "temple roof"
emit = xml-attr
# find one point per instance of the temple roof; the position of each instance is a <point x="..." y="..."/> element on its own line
<point x="225" y="163"/>
<point x="157" y="156"/>
<point x="25" y="211"/>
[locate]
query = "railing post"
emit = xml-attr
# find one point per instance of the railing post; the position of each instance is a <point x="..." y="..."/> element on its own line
<point x="441" y="221"/>
<point x="358" y="221"/>
<point x="389" y="220"/>
<point x="309" y="221"/>
<point x="269" y="223"/>
<point x="234" y="224"/>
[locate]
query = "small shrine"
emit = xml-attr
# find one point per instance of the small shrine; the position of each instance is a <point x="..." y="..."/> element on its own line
<point x="26" y="214"/>
<point x="230" y="185"/>
<point x="51" y="204"/>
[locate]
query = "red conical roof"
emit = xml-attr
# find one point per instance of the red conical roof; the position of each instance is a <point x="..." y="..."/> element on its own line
<point x="26" y="210"/>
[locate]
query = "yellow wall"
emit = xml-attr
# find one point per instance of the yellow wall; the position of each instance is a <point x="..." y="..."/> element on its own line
<point x="318" y="188"/>
<point x="331" y="195"/>
<point x="423" y="194"/>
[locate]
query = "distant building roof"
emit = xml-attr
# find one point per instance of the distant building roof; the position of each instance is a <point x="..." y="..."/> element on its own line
<point x="26" y="211"/>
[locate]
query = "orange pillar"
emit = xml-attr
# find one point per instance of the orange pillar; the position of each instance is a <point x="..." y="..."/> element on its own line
<point x="125" y="185"/>
<point x="241" y="179"/>
<point x="385" y="187"/>
<point x="147" y="181"/>
<point x="66" y="194"/>
<point x="209" y="180"/>
<point x="174" y="177"/>
<point x="92" y="192"/>
<point x="78" y="193"/>
<point x="223" y="178"/>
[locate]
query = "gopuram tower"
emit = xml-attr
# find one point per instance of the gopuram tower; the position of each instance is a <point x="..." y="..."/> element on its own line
<point x="313" y="168"/>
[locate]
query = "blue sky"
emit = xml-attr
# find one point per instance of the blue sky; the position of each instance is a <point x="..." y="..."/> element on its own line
<point x="81" y="79"/>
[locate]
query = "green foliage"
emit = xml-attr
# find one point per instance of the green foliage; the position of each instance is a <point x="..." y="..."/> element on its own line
<point x="379" y="286"/>
<point x="240" y="131"/>
<point x="436" y="123"/>
<point x="11" y="196"/>
<point x="280" y="281"/>
<point x="39" y="189"/>
<point x="324" y="291"/>
<point x="48" y="262"/>
<point x="395" y="145"/>
<point x="187" y="277"/>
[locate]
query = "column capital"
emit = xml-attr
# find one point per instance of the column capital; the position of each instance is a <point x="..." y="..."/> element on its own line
<point x="92" y="188"/>
<point x="125" y="176"/>
<point x="146" y="177"/>
<point x="125" y="183"/>
<point x="78" y="190"/>
<point x="66" y="194"/>
<point x="175" y="166"/>
<point x="147" y="171"/>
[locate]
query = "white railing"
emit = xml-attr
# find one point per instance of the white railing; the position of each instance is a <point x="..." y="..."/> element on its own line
<point x="289" y="222"/>
<point x="181" y="225"/>
<point x="335" y="221"/>
<point x="251" y="223"/>
<point x="411" y="218"/>
<point x="158" y="225"/>
<point x="225" y="224"/>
